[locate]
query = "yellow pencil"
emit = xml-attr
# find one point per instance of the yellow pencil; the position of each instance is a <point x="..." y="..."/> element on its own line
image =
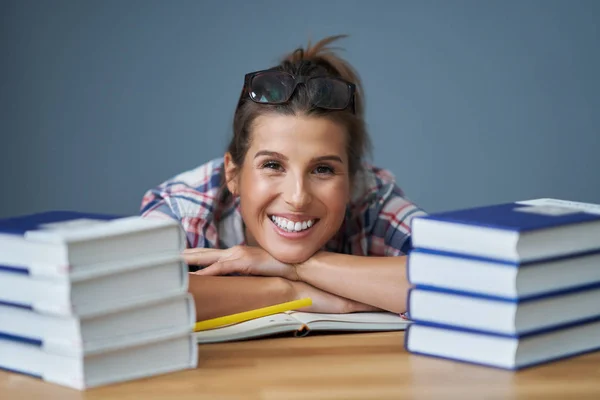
<point x="248" y="315"/>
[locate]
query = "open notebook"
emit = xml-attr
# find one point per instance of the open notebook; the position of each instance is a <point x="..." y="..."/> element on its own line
<point x="301" y="323"/>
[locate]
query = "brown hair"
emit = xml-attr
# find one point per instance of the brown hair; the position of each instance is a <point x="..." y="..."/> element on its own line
<point x="319" y="59"/>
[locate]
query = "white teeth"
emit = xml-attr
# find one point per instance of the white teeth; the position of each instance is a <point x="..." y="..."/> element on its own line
<point x="291" y="226"/>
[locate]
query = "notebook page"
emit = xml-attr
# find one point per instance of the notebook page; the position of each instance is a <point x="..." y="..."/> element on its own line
<point x="353" y="321"/>
<point x="263" y="326"/>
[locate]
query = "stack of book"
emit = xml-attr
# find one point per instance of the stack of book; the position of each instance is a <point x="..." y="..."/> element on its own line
<point x="508" y="286"/>
<point x="88" y="300"/>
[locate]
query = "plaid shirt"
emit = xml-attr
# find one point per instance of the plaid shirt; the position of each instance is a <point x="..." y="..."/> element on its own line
<point x="377" y="221"/>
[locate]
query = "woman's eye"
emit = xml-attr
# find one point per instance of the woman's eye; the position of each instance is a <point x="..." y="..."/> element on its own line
<point x="324" y="169"/>
<point x="272" y="165"/>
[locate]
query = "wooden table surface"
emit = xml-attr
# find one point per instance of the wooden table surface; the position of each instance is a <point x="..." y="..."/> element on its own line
<point x="345" y="366"/>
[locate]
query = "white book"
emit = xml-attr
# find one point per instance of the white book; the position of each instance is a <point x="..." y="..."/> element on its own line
<point x="89" y="292"/>
<point x="503" y="316"/>
<point x="169" y="354"/>
<point x="72" y="240"/>
<point x="124" y="327"/>
<point x="501" y="351"/>
<point x="302" y="323"/>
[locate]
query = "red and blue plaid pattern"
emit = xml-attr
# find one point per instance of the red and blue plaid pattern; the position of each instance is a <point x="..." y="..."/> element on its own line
<point x="377" y="219"/>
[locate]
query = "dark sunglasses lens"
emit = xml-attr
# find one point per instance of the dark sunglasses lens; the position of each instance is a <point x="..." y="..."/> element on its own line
<point x="271" y="87"/>
<point x="329" y="93"/>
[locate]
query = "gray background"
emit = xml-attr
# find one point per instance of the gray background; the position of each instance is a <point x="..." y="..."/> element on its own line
<point x="468" y="102"/>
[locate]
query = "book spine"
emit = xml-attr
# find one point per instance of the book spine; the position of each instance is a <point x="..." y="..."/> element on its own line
<point x="120" y="227"/>
<point x="15" y="251"/>
<point x="37" y="270"/>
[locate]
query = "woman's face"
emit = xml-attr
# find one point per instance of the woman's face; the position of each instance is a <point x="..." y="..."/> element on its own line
<point x="293" y="185"/>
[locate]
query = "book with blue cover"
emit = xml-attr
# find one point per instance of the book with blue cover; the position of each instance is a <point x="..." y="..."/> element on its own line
<point x="22" y="224"/>
<point x="170" y="352"/>
<point x="61" y="242"/>
<point x="500" y="350"/>
<point x="96" y="289"/>
<point x="505" y="279"/>
<point x="495" y="315"/>
<point x="123" y="326"/>
<point x="517" y="232"/>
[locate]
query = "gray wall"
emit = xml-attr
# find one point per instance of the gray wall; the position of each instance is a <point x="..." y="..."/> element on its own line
<point x="468" y="102"/>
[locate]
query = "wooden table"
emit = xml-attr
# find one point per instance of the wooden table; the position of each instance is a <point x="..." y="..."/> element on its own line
<point x="347" y="366"/>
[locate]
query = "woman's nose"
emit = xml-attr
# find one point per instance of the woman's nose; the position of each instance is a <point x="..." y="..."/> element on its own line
<point x="297" y="193"/>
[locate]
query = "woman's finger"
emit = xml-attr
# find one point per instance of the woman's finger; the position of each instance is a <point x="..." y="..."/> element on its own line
<point x="220" y="268"/>
<point x="201" y="258"/>
<point x="202" y="250"/>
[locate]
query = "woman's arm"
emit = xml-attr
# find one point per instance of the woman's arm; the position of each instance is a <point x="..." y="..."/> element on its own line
<point x="378" y="281"/>
<point x="215" y="296"/>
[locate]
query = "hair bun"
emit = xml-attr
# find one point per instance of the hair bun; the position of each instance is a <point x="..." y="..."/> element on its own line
<point x="317" y="52"/>
<point x="324" y="55"/>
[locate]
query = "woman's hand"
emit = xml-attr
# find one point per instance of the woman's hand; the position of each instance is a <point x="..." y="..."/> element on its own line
<point x="243" y="260"/>
<point x="325" y="302"/>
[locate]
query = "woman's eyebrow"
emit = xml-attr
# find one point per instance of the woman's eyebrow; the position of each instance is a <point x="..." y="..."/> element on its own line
<point x="274" y="154"/>
<point x="269" y="153"/>
<point x="331" y="157"/>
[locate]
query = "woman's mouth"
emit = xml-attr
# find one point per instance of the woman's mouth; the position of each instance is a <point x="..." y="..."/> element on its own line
<point x="293" y="226"/>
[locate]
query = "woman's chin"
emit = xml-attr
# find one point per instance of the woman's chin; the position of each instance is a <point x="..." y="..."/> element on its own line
<point x="291" y="257"/>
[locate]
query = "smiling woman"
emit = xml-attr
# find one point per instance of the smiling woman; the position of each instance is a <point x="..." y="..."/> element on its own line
<point x="292" y="209"/>
<point x="296" y="176"/>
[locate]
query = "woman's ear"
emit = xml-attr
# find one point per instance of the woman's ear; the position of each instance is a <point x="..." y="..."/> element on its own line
<point x="231" y="174"/>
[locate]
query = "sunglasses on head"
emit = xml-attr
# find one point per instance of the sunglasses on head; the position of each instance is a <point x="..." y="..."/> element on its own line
<point x="277" y="87"/>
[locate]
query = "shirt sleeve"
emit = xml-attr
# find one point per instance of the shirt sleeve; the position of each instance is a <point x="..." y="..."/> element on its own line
<point x="391" y="231"/>
<point x="160" y="202"/>
<point x="154" y="205"/>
